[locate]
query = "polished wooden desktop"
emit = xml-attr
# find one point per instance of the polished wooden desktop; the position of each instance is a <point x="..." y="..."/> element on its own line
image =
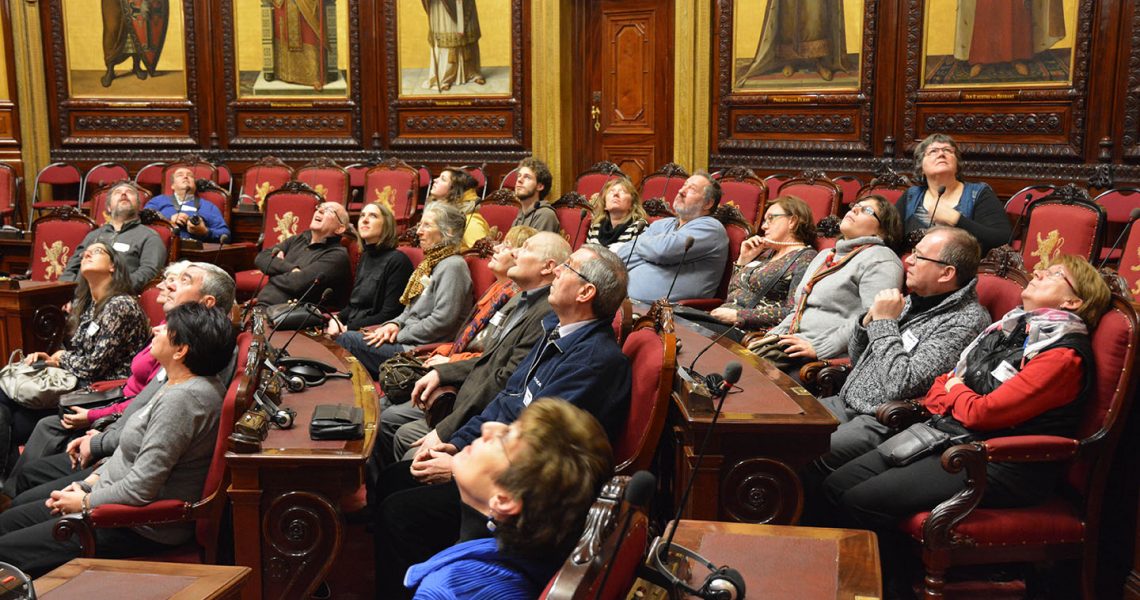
<point x="18" y="303"/>
<point x="230" y="257"/>
<point x="780" y="562"/>
<point x="769" y="429"/>
<point x="15" y="253"/>
<point x="85" y="578"/>
<point x="287" y="522"/>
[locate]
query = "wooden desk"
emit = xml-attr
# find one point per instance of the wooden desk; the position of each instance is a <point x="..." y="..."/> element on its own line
<point x="16" y="254"/>
<point x="783" y="562"/>
<point x="232" y="258"/>
<point x="18" y="305"/>
<point x="246" y="225"/>
<point x="766" y="434"/>
<point x="287" y="523"/>
<point x="85" y="578"/>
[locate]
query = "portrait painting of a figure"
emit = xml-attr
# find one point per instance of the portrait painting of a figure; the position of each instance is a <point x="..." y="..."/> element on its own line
<point x="998" y="43"/>
<point x="134" y="49"/>
<point x="443" y="50"/>
<point x="290" y="48"/>
<point x="796" y="44"/>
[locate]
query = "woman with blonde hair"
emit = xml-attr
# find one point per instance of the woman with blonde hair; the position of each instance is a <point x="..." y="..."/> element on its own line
<point x="618" y="215"/>
<point x="457" y="187"/>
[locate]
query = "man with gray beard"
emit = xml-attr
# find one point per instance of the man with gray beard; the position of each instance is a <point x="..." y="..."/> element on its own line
<point x="125" y="234"/>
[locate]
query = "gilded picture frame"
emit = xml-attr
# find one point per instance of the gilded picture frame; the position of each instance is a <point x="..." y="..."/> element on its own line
<point x="291" y="49"/>
<point x="454" y="48"/>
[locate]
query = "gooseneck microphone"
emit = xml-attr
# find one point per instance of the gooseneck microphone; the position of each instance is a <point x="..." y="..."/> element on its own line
<point x="300" y="301"/>
<point x="324" y="296"/>
<point x="578" y="234"/>
<point x="688" y="246"/>
<point x="222" y="239"/>
<point x="633" y="246"/>
<point x="1020" y="216"/>
<point x="638" y="494"/>
<point x="930" y="221"/>
<point x="1132" y="216"/>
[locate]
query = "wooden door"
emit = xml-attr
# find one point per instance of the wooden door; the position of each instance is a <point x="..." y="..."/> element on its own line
<point x="623" y="84"/>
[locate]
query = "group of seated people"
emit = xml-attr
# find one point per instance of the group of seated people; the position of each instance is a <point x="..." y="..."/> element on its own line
<point x="487" y="493"/>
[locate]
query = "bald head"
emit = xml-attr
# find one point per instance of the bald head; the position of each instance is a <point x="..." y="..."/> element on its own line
<point x="537" y="258"/>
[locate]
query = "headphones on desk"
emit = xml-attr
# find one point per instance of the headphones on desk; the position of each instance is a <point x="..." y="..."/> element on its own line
<point x="722" y="583"/>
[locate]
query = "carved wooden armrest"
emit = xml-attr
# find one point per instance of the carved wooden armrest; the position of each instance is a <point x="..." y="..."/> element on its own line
<point x="753" y="336"/>
<point x="118" y="515"/>
<point x="705" y="304"/>
<point x="900" y="414"/>
<point x="937" y="531"/>
<point x="825" y="376"/>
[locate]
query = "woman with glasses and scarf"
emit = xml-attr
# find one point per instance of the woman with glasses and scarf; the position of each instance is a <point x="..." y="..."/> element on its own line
<point x="942" y="198"/>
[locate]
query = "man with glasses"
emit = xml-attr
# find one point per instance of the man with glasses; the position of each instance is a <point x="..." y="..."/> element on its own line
<point x="316" y="255"/>
<point x="904" y="341"/>
<point x="125" y="234"/>
<point x="195" y="218"/>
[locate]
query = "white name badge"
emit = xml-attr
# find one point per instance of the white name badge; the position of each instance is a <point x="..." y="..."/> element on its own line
<point x="752" y="264"/>
<point x="121" y="247"/>
<point x="189" y="208"/>
<point x="425" y="281"/>
<point x="497" y="319"/>
<point x="909" y="341"/>
<point x="1004" y="372"/>
<point x="92" y="329"/>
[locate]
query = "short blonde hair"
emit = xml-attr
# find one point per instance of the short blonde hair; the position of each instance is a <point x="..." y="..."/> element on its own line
<point x="636" y="210"/>
<point x="1089" y="287"/>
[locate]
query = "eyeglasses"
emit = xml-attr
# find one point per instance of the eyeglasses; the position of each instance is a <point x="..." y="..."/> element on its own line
<point x="1058" y="274"/>
<point x="867" y="210"/>
<point x="575" y="271"/>
<point x="772" y="217"/>
<point x="917" y="256"/>
<point x="95" y="251"/>
<point x="328" y="210"/>
<point x="936" y="150"/>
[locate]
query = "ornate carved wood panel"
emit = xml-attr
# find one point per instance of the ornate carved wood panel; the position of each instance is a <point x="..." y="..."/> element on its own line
<point x="9" y="115"/>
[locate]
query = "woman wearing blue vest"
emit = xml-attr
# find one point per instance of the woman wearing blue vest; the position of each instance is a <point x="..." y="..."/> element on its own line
<point x="942" y="198"/>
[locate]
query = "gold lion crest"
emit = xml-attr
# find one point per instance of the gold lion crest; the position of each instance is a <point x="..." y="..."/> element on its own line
<point x="1047" y="249"/>
<point x="260" y="191"/>
<point x="321" y="190"/>
<point x="386" y="196"/>
<point x="1134" y="268"/>
<point x="286" y="226"/>
<point x="56" y="258"/>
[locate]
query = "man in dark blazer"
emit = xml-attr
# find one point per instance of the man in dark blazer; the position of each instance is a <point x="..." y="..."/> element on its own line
<point x="517" y="328"/>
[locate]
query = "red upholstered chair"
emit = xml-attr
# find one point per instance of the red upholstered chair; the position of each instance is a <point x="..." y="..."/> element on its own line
<point x="10" y="212"/>
<point x="66" y="185"/>
<point x="165" y="231"/>
<point x="97" y="202"/>
<point x="414" y="254"/>
<point x="1000" y="280"/>
<point x="395" y="183"/>
<point x="101" y="175"/>
<point x="741" y="188"/>
<point x="508" y="182"/>
<point x="774" y="182"/>
<point x="481" y="275"/>
<point x="201" y="168"/>
<point x="288" y="211"/>
<point x="1065" y="222"/>
<point x="890" y="185"/>
<point x="657" y="208"/>
<point x="592" y="180"/>
<point x="55" y="236"/>
<point x="738" y="231"/>
<point x="1015" y="208"/>
<point x="604" y="542"/>
<point x="849" y="186"/>
<point x="817" y="190"/>
<point x="1117" y="204"/>
<point x="356" y="174"/>
<point x="652" y="352"/>
<point x="220" y="198"/>
<point x="1064" y="526"/>
<point x="148" y="299"/>
<point x="264" y="176"/>
<point x="225" y="178"/>
<point x="479" y="174"/>
<point x="664" y="183"/>
<point x="574" y="216"/>
<point x="207" y="512"/>
<point x="326" y="178"/>
<point x="500" y="210"/>
<point x="1129" y="267"/>
<point x="150" y="177"/>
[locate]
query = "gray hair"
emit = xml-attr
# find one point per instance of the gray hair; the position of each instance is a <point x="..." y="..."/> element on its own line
<point x="217" y="283"/>
<point x="712" y="190"/>
<point x="450" y="220"/>
<point x="920" y="153"/>
<point x="961" y="250"/>
<point x="607" y="272"/>
<point x="175" y="269"/>
<point x="551" y="246"/>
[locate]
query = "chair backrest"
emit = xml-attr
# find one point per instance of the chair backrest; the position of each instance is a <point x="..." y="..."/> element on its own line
<point x="500" y="210"/>
<point x="9" y="192"/>
<point x="97" y="202"/>
<point x="165" y="231"/>
<point x="148" y="300"/>
<point x="664" y="183"/>
<point x="1118" y="203"/>
<point x="225" y="178"/>
<point x="481" y="275"/>
<point x="479" y="174"/>
<point x="220" y="198"/>
<point x="741" y="188"/>
<point x="652" y="355"/>
<point x="508" y="182"/>
<point x="773" y="183"/>
<point x="288" y="211"/>
<point x="201" y="169"/>
<point x="55" y="236"/>
<point x="103" y="174"/>
<point x="738" y="231"/>
<point x="64" y="179"/>
<point x="1032" y="193"/>
<point x="354" y="250"/>
<point x="816" y="190"/>
<point x="999" y="287"/>
<point x="849" y="186"/>
<point x="600" y="546"/>
<point x="356" y="175"/>
<point x="1062" y="223"/>
<point x="264" y="176"/>
<point x="592" y="180"/>
<point x="414" y="254"/>
<point x="395" y="183"/>
<point x="327" y="178"/>
<point x="150" y="176"/>
<point x="1129" y="267"/>
<point x="574" y="216"/>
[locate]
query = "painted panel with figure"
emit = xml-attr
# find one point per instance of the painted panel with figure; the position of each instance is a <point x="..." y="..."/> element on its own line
<point x="444" y="49"/>
<point x="796" y="45"/>
<point x="136" y="51"/>
<point x="999" y="43"/>
<point x="291" y="48"/>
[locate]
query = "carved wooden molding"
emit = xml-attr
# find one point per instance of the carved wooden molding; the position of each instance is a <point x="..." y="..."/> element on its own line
<point x="464" y="124"/>
<point x="294" y="123"/>
<point x="794" y="123"/>
<point x="322" y="162"/>
<point x="1050" y="123"/>
<point x="124" y="123"/>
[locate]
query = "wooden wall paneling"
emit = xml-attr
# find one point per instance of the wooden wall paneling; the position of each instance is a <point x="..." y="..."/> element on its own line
<point x="119" y="127"/>
<point x="290" y="126"/>
<point x="9" y="111"/>
<point x="793" y="129"/>
<point x="1128" y="85"/>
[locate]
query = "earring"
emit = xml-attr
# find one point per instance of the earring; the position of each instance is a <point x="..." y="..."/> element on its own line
<point x="492" y="525"/>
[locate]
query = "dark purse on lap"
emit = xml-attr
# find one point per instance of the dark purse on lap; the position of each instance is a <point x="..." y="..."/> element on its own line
<point x="290" y="316"/>
<point x="914" y="442"/>
<point x="337" y="422"/>
<point x="86" y="398"/>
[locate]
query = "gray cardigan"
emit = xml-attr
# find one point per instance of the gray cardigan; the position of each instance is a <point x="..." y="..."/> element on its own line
<point x="885" y="370"/>
<point x="834" y="302"/>
<point x="164" y="452"/>
<point x="438" y="312"/>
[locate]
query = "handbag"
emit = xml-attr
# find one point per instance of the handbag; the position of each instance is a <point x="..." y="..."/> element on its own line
<point x="32" y="387"/>
<point x="291" y="316"/>
<point x="398" y="376"/>
<point x="337" y="422"/>
<point x="913" y="443"/>
<point x="88" y="398"/>
<point x="768" y="349"/>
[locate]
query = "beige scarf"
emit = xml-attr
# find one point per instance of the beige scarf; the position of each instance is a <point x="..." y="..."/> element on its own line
<point x="432" y="257"/>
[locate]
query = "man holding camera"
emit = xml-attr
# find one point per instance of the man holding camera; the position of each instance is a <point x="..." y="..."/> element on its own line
<point x="195" y="219"/>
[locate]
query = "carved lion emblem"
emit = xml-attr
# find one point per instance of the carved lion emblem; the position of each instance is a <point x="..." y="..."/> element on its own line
<point x="286" y="226"/>
<point x="262" y="190"/>
<point x="56" y="258"/>
<point x="321" y="190"/>
<point x="1047" y="249"/>
<point x="1134" y="268"/>
<point x="386" y="196"/>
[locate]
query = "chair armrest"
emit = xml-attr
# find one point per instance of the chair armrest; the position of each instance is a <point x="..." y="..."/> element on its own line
<point x="827" y="376"/>
<point x="900" y="414"/>
<point x="110" y="384"/>
<point x="1030" y="448"/>
<point x="118" y="515"/>
<point x="705" y="304"/>
<point x="937" y="531"/>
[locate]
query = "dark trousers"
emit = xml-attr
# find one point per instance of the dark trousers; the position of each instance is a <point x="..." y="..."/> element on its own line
<point x="40" y="478"/>
<point x="370" y="357"/>
<point x="26" y="541"/>
<point x="16" y="425"/>
<point x="48" y="437"/>
<point x="413" y="522"/>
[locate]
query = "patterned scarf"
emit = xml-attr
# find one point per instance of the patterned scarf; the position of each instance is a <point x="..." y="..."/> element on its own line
<point x="830" y="265"/>
<point x="1045" y="327"/>
<point x="421" y="277"/>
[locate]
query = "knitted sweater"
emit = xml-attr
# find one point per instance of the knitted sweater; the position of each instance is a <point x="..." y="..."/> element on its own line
<point x="829" y="314"/>
<point x="438" y="312"/>
<point x="898" y="359"/>
<point x="477" y="570"/>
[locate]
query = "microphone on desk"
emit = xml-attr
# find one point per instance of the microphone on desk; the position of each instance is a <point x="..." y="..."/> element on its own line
<point x="638" y="494"/>
<point x="222" y="239"/>
<point x="712" y="380"/>
<point x="688" y="246"/>
<point x="1132" y="216"/>
<point x="930" y="221"/>
<point x="723" y="583"/>
<point x="324" y="297"/>
<point x="578" y="234"/>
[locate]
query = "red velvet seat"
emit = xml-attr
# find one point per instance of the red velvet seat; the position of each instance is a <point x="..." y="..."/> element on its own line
<point x="737" y="231"/>
<point x="999" y="287"/>
<point x="742" y="189"/>
<point x="288" y="211"/>
<point x="150" y="177"/>
<point x="479" y="174"/>
<point x="1068" y="222"/>
<point x="652" y="352"/>
<point x="414" y="254"/>
<point x="148" y="299"/>
<point x="1129" y="267"/>
<point x="261" y="178"/>
<point x="816" y="190"/>
<point x="1117" y="204"/>
<point x="356" y="173"/>
<point x="775" y="182"/>
<point x="201" y="169"/>
<point x="481" y="275"/>
<point x="327" y="179"/>
<point x="10" y="197"/>
<point x="574" y="216"/>
<point x="500" y="210"/>
<point x="664" y="183"/>
<point x="395" y="183"/>
<point x="101" y="175"/>
<point x="97" y="202"/>
<point x="849" y="186"/>
<point x="165" y="231"/>
<point x="66" y="185"/>
<point x="1015" y="208"/>
<point x="508" y="182"/>
<point x="55" y="236"/>
<point x="592" y="180"/>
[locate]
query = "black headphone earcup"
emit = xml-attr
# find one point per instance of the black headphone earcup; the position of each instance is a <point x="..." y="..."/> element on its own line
<point x="725" y="583"/>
